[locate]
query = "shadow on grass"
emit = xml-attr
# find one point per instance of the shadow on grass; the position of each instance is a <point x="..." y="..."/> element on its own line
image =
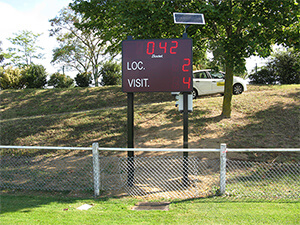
<point x="25" y="201"/>
<point x="36" y="102"/>
<point x="103" y="126"/>
<point x="275" y="127"/>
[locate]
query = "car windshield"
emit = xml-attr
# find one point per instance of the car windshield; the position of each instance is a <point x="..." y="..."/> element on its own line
<point x="217" y="75"/>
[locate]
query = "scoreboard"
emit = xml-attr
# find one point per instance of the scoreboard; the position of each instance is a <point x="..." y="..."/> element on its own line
<point x="158" y="65"/>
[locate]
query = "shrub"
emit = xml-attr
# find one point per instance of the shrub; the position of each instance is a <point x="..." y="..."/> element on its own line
<point x="263" y="76"/>
<point x="11" y="78"/>
<point x="58" y="80"/>
<point x="287" y="67"/>
<point x="111" y="74"/>
<point x="35" y="76"/>
<point x="83" y="79"/>
<point x="283" y="68"/>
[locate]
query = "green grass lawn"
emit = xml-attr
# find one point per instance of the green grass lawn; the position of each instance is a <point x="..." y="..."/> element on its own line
<point x="32" y="209"/>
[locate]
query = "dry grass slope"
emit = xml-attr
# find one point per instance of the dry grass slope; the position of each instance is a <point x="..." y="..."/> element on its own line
<point x="263" y="117"/>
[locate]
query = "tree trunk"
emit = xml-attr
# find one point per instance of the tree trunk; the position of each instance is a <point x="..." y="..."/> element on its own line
<point x="226" y="111"/>
<point x="96" y="80"/>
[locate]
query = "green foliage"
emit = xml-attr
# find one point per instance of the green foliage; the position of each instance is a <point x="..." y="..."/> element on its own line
<point x="58" y="80"/>
<point x="238" y="28"/>
<point x="35" y="76"/>
<point x="26" y="48"/>
<point x="287" y="67"/>
<point x="111" y="73"/>
<point x="83" y="79"/>
<point x="11" y="78"/>
<point x="264" y="76"/>
<point x="283" y="68"/>
<point x="80" y="49"/>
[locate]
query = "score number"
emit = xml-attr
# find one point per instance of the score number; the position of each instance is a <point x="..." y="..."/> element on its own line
<point x="152" y="49"/>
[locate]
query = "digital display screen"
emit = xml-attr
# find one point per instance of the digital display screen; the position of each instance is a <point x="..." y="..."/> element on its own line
<point x="157" y="65"/>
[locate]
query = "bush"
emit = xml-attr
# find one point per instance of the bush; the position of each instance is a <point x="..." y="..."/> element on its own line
<point x="287" y="67"/>
<point x="264" y="76"/>
<point x="83" y="79"/>
<point x="58" y="80"/>
<point x="35" y="76"/>
<point x="284" y="68"/>
<point x="11" y="78"/>
<point x="111" y="74"/>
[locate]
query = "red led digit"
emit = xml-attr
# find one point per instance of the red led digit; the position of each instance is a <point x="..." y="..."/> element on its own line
<point x="163" y="47"/>
<point x="150" y="50"/>
<point x="174" y="47"/>
<point x="187" y="82"/>
<point x="186" y="65"/>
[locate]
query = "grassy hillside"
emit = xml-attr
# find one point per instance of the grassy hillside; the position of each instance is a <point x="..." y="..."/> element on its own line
<point x="264" y="116"/>
<point x="32" y="102"/>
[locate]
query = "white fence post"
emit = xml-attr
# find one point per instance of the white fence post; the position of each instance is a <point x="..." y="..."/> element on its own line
<point x="96" y="169"/>
<point x="222" y="169"/>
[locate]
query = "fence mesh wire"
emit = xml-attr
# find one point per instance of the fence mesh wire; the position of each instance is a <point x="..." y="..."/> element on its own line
<point x="160" y="177"/>
<point x="263" y="180"/>
<point x="173" y="177"/>
<point x="61" y="173"/>
<point x="152" y="177"/>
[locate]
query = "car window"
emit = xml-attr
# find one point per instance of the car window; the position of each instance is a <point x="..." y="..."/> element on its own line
<point x="201" y="74"/>
<point x="197" y="75"/>
<point x="217" y="75"/>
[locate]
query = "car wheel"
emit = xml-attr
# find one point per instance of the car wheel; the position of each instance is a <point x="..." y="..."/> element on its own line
<point x="237" y="89"/>
<point x="194" y="93"/>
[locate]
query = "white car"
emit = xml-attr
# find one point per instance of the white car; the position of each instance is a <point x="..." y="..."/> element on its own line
<point x="207" y="82"/>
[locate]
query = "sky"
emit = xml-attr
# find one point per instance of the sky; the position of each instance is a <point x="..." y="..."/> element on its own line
<point x="31" y="15"/>
<point x="34" y="15"/>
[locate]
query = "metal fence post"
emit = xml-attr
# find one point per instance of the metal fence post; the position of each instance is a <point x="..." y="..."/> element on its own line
<point x="96" y="169"/>
<point x="222" y="168"/>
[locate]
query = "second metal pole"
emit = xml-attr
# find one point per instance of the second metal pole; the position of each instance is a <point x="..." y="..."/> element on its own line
<point x="185" y="139"/>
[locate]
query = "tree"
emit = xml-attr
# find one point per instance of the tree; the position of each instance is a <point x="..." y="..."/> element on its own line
<point x="26" y="48"/>
<point x="83" y="79"/>
<point x="35" y="76"/>
<point x="58" y="80"/>
<point x="1" y="53"/>
<point x="80" y="49"/>
<point x="11" y="78"/>
<point x="111" y="73"/>
<point x="240" y="28"/>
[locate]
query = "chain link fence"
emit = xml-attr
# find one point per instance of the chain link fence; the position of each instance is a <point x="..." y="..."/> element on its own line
<point x="47" y="173"/>
<point x="160" y="177"/>
<point x="262" y="180"/>
<point x="170" y="177"/>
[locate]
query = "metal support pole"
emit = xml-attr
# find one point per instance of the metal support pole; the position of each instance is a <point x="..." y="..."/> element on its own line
<point x="96" y="169"/>
<point x="185" y="139"/>
<point x="130" y="143"/>
<point x="223" y="169"/>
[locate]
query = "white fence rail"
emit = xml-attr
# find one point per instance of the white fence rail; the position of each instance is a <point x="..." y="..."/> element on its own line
<point x="153" y="177"/>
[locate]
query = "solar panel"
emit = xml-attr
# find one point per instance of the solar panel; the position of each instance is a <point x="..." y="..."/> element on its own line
<point x="188" y="18"/>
